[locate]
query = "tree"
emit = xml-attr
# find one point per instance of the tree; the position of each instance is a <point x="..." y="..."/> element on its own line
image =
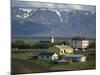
<point x="92" y="45"/>
<point x="20" y="44"/>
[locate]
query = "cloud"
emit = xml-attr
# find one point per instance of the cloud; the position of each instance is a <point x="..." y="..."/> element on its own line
<point x="77" y="7"/>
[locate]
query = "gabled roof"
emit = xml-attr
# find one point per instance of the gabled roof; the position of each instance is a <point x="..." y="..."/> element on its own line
<point x="62" y="46"/>
<point x="46" y="54"/>
<point x="79" y="38"/>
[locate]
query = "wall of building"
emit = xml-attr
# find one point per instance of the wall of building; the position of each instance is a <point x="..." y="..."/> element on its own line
<point x="60" y="51"/>
<point x="80" y="43"/>
<point x="77" y="44"/>
<point x="44" y="57"/>
<point x="53" y="57"/>
<point x="83" y="59"/>
<point x="85" y="43"/>
<point x="76" y="59"/>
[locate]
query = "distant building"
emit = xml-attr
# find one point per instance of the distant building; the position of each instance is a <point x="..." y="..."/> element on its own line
<point x="75" y="58"/>
<point x="79" y="43"/>
<point x="51" y="38"/>
<point x="48" y="56"/>
<point x="61" y="49"/>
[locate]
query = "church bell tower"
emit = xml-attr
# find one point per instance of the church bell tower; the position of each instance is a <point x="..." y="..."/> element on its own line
<point x="51" y="38"/>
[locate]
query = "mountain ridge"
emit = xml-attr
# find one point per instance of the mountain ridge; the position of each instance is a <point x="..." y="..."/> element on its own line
<point x="67" y="23"/>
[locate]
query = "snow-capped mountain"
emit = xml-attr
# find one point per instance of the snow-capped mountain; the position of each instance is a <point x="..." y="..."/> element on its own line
<point x="22" y="13"/>
<point x="40" y="22"/>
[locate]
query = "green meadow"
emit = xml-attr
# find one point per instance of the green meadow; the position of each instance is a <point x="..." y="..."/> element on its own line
<point x="22" y="63"/>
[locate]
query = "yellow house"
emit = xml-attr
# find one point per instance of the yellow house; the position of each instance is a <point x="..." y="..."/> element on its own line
<point x="61" y="49"/>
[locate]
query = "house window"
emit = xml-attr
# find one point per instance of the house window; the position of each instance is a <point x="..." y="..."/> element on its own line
<point x="64" y="51"/>
<point x="61" y="52"/>
<point x="47" y="56"/>
<point x="56" y="56"/>
<point x="75" y="45"/>
<point x="41" y="56"/>
<point x="75" y="42"/>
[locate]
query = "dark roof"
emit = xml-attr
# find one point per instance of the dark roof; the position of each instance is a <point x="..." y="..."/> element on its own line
<point x="78" y="38"/>
<point x="46" y="54"/>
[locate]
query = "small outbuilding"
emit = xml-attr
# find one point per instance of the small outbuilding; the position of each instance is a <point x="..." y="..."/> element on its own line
<point x="48" y="56"/>
<point x="75" y="58"/>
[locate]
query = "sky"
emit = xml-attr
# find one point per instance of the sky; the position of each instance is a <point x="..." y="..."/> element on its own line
<point x="31" y="3"/>
<point x="88" y="2"/>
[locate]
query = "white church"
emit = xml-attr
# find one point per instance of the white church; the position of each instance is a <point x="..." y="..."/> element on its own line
<point x="51" y="38"/>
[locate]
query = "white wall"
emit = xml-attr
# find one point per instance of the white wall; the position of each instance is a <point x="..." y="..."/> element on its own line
<point x="55" y="56"/>
<point x="83" y="59"/>
<point x="85" y="43"/>
<point x="77" y="44"/>
<point x="80" y="44"/>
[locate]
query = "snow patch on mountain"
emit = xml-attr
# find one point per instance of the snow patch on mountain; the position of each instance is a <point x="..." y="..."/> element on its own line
<point x="92" y="13"/>
<point x="86" y="13"/>
<point x="26" y="13"/>
<point x="58" y="13"/>
<point x="18" y="16"/>
<point x="28" y="10"/>
<point x="42" y="9"/>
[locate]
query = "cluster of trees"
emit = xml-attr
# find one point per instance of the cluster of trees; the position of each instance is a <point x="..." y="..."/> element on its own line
<point x="62" y="43"/>
<point x="92" y="45"/>
<point x="21" y="44"/>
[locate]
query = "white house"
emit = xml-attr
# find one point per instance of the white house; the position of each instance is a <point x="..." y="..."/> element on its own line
<point x="79" y="43"/>
<point x="48" y="56"/>
<point x="75" y="58"/>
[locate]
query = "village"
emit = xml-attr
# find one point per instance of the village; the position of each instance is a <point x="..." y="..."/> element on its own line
<point x="78" y="53"/>
<point x="66" y="53"/>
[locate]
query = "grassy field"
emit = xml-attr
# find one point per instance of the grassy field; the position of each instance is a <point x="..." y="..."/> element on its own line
<point x="21" y="64"/>
<point x="22" y="67"/>
<point x="24" y="54"/>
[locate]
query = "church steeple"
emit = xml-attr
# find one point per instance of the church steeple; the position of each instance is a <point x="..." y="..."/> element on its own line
<point x="51" y="37"/>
